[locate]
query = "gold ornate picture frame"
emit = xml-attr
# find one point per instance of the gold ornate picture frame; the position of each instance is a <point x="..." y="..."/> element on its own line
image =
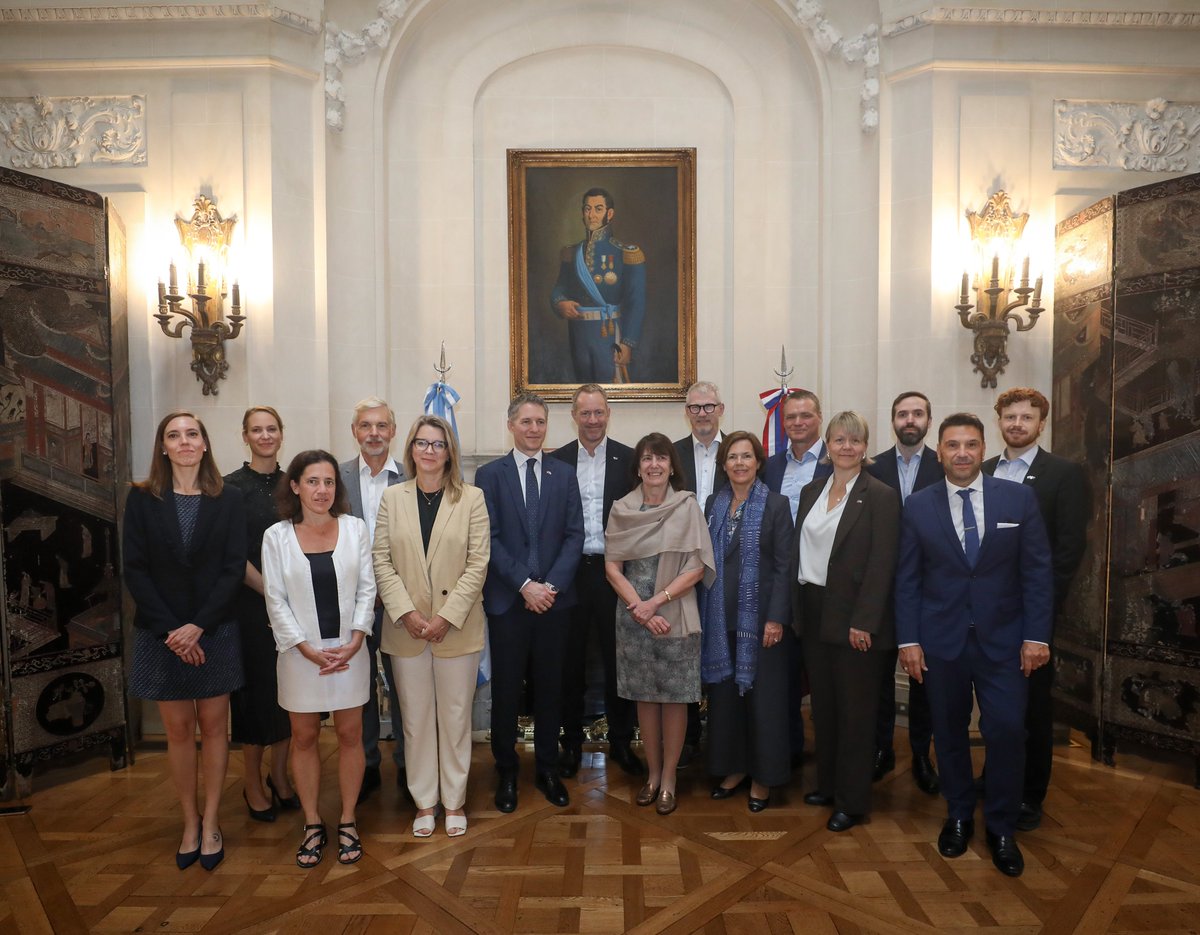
<point x="615" y="304"/>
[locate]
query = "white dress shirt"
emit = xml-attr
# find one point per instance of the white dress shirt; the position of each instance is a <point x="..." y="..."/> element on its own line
<point x="799" y="471"/>
<point x="706" y="467"/>
<point x="522" y="461"/>
<point x="956" y="508"/>
<point x="817" y="534"/>
<point x="589" y="471"/>
<point x="372" y="487"/>
<point x="1017" y="468"/>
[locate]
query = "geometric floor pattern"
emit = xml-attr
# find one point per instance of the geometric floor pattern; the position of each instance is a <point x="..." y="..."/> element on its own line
<point x="1118" y="851"/>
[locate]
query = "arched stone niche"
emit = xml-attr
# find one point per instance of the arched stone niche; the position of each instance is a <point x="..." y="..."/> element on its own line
<point x="424" y="241"/>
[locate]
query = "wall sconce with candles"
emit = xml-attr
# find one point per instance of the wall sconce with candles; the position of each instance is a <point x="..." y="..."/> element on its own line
<point x="995" y="236"/>
<point x="205" y="239"/>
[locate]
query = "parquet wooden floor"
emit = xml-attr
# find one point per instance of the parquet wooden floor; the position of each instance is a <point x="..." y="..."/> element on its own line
<point x="1118" y="851"/>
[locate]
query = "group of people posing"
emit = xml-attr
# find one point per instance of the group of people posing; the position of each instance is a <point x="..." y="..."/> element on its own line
<point x="699" y="564"/>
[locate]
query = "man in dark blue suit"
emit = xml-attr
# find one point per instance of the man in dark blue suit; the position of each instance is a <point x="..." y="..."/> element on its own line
<point x="974" y="603"/>
<point x="537" y="538"/>
<point x="787" y="472"/>
<point x="908" y="466"/>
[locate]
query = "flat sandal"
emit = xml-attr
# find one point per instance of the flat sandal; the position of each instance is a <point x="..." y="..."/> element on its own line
<point x="319" y="837"/>
<point x="349" y="831"/>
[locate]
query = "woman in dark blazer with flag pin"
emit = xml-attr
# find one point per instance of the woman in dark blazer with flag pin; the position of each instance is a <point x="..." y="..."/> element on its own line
<point x="843" y="564"/>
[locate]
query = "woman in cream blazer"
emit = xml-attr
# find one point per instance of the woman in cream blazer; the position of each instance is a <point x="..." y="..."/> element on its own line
<point x="316" y="569"/>
<point x="432" y="545"/>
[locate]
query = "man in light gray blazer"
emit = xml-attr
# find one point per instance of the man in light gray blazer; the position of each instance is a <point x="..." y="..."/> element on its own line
<point x="365" y="478"/>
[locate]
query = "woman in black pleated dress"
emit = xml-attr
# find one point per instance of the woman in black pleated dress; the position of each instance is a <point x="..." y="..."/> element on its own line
<point x="184" y="558"/>
<point x="258" y="721"/>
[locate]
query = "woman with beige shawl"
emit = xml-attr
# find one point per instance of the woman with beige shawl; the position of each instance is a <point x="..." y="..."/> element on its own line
<point x="657" y="549"/>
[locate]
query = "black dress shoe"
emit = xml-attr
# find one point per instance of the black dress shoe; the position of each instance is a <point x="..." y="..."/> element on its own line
<point x="1030" y="817"/>
<point x="506" y="792"/>
<point x="370" y="783"/>
<point x="843" y="821"/>
<point x="818" y="798"/>
<point x="259" y="814"/>
<point x="568" y="762"/>
<point x="885" y="762"/>
<point x="551" y="787"/>
<point x="956" y="833"/>
<point x="757" y="805"/>
<point x="727" y="792"/>
<point x="1006" y="855"/>
<point x="925" y="775"/>
<point x="626" y="759"/>
<point x="290" y="804"/>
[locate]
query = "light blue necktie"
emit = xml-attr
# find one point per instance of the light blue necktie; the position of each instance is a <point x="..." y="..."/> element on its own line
<point x="531" y="517"/>
<point x="970" y="530"/>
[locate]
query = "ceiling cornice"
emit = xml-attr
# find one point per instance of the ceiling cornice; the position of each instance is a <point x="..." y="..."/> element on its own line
<point x="163" y="12"/>
<point x="1017" y="16"/>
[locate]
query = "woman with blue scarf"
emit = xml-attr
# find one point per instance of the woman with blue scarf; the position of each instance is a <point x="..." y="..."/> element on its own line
<point x="743" y="659"/>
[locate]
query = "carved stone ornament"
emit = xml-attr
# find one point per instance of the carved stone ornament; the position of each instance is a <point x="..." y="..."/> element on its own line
<point x="161" y="12"/>
<point x="342" y="46"/>
<point x="975" y="15"/>
<point x="64" y="132"/>
<point x="1157" y="136"/>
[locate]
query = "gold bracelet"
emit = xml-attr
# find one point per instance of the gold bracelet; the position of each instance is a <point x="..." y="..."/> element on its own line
<point x="668" y="593"/>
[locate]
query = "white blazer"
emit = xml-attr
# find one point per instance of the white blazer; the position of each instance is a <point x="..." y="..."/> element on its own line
<point x="287" y="583"/>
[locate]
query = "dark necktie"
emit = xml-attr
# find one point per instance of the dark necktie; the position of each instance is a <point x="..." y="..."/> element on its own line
<point x="970" y="530"/>
<point x="531" y="517"/>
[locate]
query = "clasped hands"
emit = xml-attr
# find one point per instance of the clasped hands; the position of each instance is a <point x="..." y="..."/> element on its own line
<point x="184" y="642"/>
<point x="332" y="660"/>
<point x="1033" y="656"/>
<point x="646" y="613"/>
<point x="420" y="627"/>
<point x="539" y="597"/>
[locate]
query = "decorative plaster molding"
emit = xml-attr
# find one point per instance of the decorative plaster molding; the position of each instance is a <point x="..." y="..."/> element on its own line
<point x="861" y="48"/>
<point x="62" y="132"/>
<point x="1157" y="136"/>
<point x="173" y="11"/>
<point x="342" y="46"/>
<point x="1016" y="16"/>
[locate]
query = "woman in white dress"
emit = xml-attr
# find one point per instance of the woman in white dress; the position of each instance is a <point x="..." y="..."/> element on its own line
<point x="320" y="593"/>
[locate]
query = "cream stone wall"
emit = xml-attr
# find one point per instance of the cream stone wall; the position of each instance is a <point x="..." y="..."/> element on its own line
<point x="363" y="249"/>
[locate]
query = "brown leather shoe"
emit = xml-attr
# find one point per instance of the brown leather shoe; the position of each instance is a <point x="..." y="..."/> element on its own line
<point x="666" y="803"/>
<point x="647" y="795"/>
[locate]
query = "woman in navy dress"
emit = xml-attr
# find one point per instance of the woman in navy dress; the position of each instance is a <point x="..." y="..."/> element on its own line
<point x="185" y="555"/>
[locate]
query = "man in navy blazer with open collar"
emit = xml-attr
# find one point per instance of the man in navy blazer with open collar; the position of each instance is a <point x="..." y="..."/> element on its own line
<point x="374" y="427"/>
<point x="596" y="606"/>
<point x="911" y="413"/>
<point x="982" y="625"/>
<point x="527" y="606"/>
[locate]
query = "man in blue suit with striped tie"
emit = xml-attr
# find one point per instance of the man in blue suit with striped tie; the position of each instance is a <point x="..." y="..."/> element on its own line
<point x="537" y="538"/>
<point x="974" y="605"/>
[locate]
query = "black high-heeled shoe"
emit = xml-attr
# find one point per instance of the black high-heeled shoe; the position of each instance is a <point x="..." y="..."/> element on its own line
<point x="727" y="792"/>
<point x="259" y="814"/>
<point x="291" y="803"/>
<point x="210" y="861"/>
<point x="184" y="860"/>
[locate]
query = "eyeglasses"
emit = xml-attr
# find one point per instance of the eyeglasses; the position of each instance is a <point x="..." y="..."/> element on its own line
<point x="697" y="408"/>
<point x="424" y="444"/>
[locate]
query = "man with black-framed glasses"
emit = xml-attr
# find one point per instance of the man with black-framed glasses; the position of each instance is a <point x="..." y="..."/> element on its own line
<point x="703" y="474"/>
<point x="698" y="452"/>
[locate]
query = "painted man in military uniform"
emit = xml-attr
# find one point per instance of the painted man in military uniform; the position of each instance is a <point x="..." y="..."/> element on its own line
<point x="601" y="292"/>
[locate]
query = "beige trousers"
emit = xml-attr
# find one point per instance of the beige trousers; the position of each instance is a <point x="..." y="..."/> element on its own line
<point x="435" y="702"/>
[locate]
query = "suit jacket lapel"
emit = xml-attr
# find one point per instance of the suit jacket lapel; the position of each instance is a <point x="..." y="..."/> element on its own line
<point x="855" y="504"/>
<point x="991" y="509"/>
<point x="1036" y="468"/>
<point x="549" y="479"/>
<point x="353" y="490"/>
<point x="409" y="518"/>
<point x="514" y="483"/>
<point x="941" y="506"/>
<point x="445" y="511"/>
